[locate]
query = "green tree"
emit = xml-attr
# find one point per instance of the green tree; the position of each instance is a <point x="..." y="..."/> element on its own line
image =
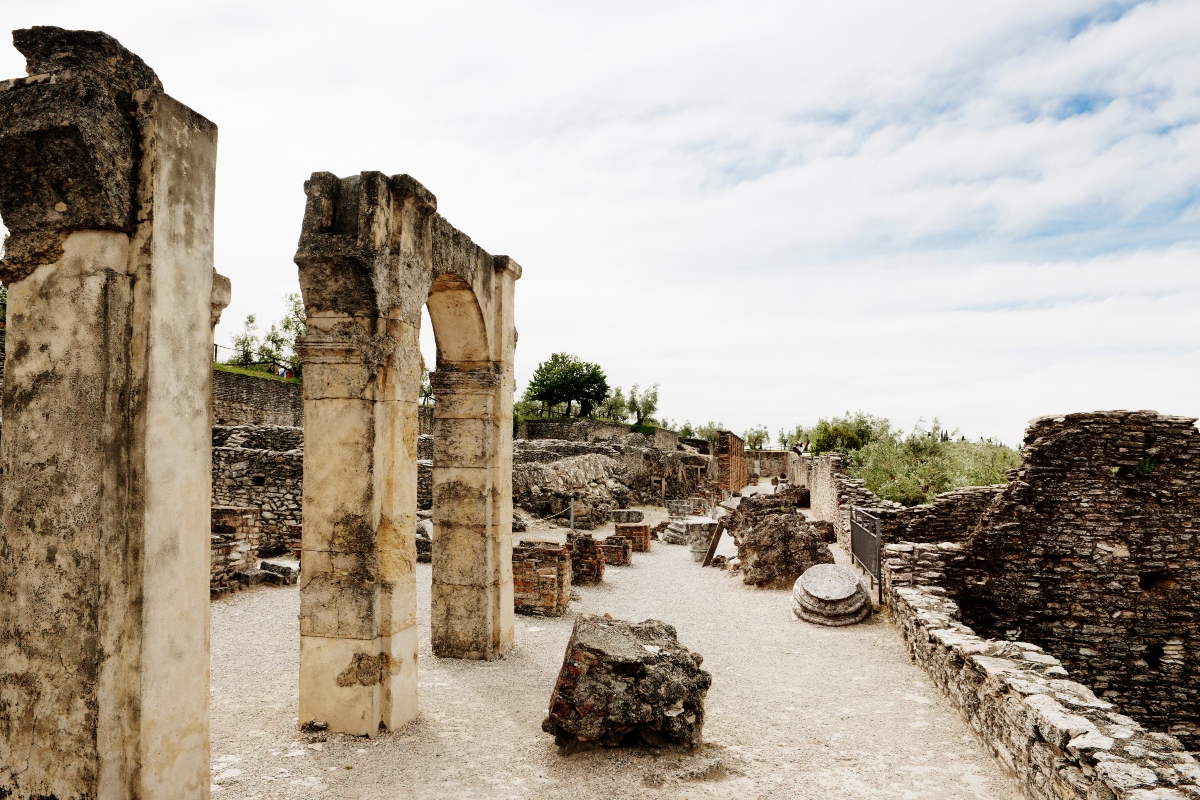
<point x="644" y="404"/>
<point x="757" y="437"/>
<point x="615" y="406"/>
<point x="564" y="378"/>
<point x="426" y="391"/>
<point x="687" y="431"/>
<point x="710" y="431"/>
<point x="845" y="434"/>
<point x="246" y="343"/>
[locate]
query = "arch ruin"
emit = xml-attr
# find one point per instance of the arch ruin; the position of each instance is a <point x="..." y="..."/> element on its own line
<point x="373" y="251"/>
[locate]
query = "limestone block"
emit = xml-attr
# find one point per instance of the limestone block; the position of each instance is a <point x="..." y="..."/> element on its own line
<point x="831" y="595"/>
<point x="623" y="683"/>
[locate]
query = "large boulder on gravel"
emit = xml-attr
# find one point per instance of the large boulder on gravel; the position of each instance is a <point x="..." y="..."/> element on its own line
<point x="779" y="549"/>
<point x="622" y="683"/>
<point x="832" y="595"/>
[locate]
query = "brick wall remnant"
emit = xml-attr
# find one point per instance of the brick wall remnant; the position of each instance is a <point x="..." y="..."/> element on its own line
<point x="617" y="551"/>
<point x="234" y="546"/>
<point x="637" y="533"/>
<point x="1054" y="735"/>
<point x="248" y="400"/>
<point x="587" y="560"/>
<point x="262" y="467"/>
<point x="731" y="462"/>
<point x="541" y="578"/>
<point x="624" y="683"/>
<point x="1093" y="552"/>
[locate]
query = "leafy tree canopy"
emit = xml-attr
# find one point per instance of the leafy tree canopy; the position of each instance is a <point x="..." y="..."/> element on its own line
<point x="564" y="378"/>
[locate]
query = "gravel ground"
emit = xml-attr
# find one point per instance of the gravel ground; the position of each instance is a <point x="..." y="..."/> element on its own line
<point x="795" y="710"/>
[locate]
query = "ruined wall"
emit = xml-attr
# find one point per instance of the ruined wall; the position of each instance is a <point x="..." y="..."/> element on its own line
<point x="246" y="400"/>
<point x="1052" y="734"/>
<point x="664" y="439"/>
<point x="731" y="462"/>
<point x="767" y="463"/>
<point x="262" y="467"/>
<point x="541" y="578"/>
<point x="1092" y="552"/>
<point x="234" y="546"/>
<point x="571" y="430"/>
<point x="949" y="517"/>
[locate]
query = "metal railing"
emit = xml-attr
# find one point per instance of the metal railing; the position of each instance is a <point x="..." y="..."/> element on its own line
<point x="864" y="545"/>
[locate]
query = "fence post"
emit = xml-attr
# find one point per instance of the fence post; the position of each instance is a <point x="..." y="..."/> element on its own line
<point x="572" y="513"/>
<point x="879" y="560"/>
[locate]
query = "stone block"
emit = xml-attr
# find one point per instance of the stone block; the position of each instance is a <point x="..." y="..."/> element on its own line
<point x="624" y="683"/>
<point x="627" y="515"/>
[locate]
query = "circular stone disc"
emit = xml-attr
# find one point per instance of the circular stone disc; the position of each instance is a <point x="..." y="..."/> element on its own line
<point x="829" y="582"/>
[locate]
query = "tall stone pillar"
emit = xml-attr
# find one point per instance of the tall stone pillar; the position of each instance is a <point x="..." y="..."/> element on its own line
<point x="362" y="372"/>
<point x="106" y="188"/>
<point x="472" y="603"/>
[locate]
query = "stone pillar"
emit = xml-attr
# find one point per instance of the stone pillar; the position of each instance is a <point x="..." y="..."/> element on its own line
<point x="472" y="603"/>
<point x="362" y="371"/>
<point x="106" y="187"/>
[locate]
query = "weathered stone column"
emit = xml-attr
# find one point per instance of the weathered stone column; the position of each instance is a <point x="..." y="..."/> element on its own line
<point x="472" y="613"/>
<point x="362" y="371"/>
<point x="106" y="187"/>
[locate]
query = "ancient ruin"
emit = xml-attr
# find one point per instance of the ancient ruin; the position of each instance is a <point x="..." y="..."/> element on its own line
<point x="622" y="681"/>
<point x="373" y="251"/>
<point x="541" y="578"/>
<point x="106" y="188"/>
<point x="827" y="594"/>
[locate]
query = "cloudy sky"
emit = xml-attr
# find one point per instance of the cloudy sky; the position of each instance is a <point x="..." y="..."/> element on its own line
<point x="982" y="211"/>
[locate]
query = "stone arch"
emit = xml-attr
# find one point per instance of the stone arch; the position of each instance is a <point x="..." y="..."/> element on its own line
<point x="372" y="252"/>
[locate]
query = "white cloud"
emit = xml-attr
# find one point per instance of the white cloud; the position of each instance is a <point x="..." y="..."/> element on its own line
<point x="984" y="211"/>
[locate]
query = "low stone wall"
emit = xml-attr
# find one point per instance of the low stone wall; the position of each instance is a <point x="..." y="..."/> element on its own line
<point x="617" y="551"/>
<point x="1054" y="735"/>
<point x="261" y="467"/>
<point x="541" y="578"/>
<point x="247" y="400"/>
<point x="665" y="440"/>
<point x="233" y="546"/>
<point x="587" y="560"/>
<point x="950" y="517"/>
<point x="571" y="430"/>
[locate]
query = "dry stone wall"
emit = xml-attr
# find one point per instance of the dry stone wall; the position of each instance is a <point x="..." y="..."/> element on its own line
<point x="261" y="467"/>
<point x="234" y="546"/>
<point x="247" y="400"/>
<point x="1093" y="552"/>
<point x="1054" y="735"/>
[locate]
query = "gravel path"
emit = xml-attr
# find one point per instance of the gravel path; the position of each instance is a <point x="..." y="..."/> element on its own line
<point x="795" y="710"/>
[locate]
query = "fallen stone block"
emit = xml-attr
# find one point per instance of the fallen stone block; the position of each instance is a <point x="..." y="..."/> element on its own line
<point x="677" y="509"/>
<point x="279" y="574"/>
<point x="622" y="683"/>
<point x="682" y="531"/>
<point x="627" y="515"/>
<point x="828" y="594"/>
<point x="249" y="577"/>
<point x="424" y="540"/>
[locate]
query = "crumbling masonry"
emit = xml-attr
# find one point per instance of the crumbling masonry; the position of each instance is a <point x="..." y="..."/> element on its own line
<point x="106" y="188"/>
<point x="372" y="252"/>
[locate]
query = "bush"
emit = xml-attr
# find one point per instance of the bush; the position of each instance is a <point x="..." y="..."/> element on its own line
<point x="643" y="428"/>
<point x="913" y="469"/>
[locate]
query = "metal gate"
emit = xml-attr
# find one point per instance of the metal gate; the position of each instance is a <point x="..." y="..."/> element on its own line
<point x="864" y="544"/>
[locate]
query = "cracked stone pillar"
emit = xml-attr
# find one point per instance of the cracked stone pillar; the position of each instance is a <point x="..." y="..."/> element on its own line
<point x="362" y="371"/>
<point x="106" y="188"/>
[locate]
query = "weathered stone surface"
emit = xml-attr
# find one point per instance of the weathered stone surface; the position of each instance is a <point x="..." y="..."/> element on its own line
<point x="626" y="515"/>
<point x="828" y="594"/>
<point x="261" y="467"/>
<point x="1054" y="735"/>
<point x="106" y="188"/>
<point x="779" y="549"/>
<point x="684" y="530"/>
<point x="424" y="541"/>
<point x="622" y="682"/>
<point x="234" y="546"/>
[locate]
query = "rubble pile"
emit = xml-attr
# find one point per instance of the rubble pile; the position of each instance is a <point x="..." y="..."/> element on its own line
<point x="424" y="539"/>
<point x="622" y="683"/>
<point x="828" y="594"/>
<point x="779" y="548"/>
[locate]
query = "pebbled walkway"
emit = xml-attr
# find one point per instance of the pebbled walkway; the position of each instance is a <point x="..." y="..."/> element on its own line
<point x="796" y="710"/>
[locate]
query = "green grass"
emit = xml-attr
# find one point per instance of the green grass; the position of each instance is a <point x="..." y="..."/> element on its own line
<point x="253" y="373"/>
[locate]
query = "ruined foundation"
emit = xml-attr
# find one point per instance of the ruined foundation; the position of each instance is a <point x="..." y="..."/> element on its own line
<point x="541" y="578"/>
